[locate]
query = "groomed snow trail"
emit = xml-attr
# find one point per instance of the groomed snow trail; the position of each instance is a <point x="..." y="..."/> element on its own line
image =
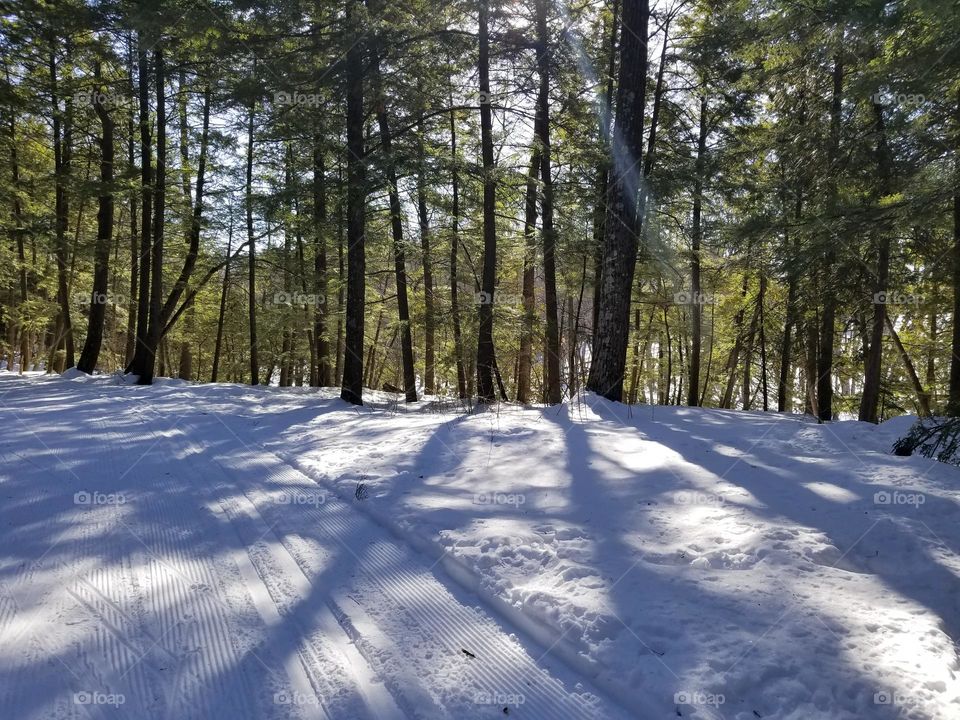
<point x="159" y="564"/>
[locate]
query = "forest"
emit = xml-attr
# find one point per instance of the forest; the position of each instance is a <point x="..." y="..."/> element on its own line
<point x="732" y="204"/>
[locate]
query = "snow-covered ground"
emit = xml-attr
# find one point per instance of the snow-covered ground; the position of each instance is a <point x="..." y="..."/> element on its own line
<point x="217" y="551"/>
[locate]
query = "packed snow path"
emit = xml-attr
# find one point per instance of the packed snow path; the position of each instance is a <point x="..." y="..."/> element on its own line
<point x="247" y="552"/>
<point x="157" y="565"/>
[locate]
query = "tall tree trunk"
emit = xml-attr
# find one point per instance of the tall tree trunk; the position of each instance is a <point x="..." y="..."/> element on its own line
<point x="552" y="358"/>
<point x="525" y="355"/>
<point x="953" y="399"/>
<point x="352" y="384"/>
<point x="622" y="227"/>
<point x="429" y="313"/>
<point x="396" y="228"/>
<point x="146" y="207"/>
<point x="871" y="381"/>
<point x="486" y="355"/>
<point x="252" y="250"/>
<point x="696" y="309"/>
<point x="134" y="237"/>
<point x="101" y="251"/>
<point x="18" y="233"/>
<point x="454" y="243"/>
<point x="602" y="172"/>
<point x="61" y="159"/>
<point x="155" y="326"/>
<point x="320" y="338"/>
<point x="828" y="291"/>
<point x="223" y="305"/>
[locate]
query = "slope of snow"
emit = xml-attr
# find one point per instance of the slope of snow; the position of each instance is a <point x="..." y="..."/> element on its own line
<point x="255" y="552"/>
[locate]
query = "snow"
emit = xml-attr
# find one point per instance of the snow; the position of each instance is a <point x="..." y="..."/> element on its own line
<point x="201" y="551"/>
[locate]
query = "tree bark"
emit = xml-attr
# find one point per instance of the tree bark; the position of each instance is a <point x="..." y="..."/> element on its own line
<point x="871" y="380"/>
<point x="486" y="355"/>
<point x="101" y="252"/>
<point x="696" y="309"/>
<point x="454" y="280"/>
<point x="525" y="355"/>
<point x="828" y="292"/>
<point x="622" y="226"/>
<point x="396" y="228"/>
<point x="552" y="359"/>
<point x="352" y="383"/>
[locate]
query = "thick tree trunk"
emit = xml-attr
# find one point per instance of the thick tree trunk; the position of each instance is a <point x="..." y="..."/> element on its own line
<point x="486" y="355"/>
<point x="622" y="227"/>
<point x="352" y="384"/>
<point x="602" y="172"/>
<point x="101" y="251"/>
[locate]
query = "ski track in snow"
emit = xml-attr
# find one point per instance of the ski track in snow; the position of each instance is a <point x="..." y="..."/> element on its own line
<point x="204" y="577"/>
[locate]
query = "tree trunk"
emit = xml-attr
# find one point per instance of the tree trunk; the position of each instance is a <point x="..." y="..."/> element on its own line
<point x="223" y="306"/>
<point x="871" y="380"/>
<point x="252" y="250"/>
<point x="429" y="316"/>
<point x="454" y="243"/>
<point x="953" y="400"/>
<point x="396" y="228"/>
<point x="552" y="359"/>
<point x="101" y="252"/>
<point x="696" y="309"/>
<point x="321" y="341"/>
<point x="486" y="355"/>
<point x="146" y="207"/>
<point x="923" y="397"/>
<point x="622" y="225"/>
<point x="352" y="384"/>
<point x="602" y="171"/>
<point x="61" y="159"/>
<point x="525" y="356"/>
<point x="828" y="291"/>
